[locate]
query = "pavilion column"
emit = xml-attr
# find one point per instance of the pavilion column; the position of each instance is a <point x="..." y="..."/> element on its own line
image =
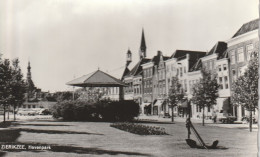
<point x="121" y="93"/>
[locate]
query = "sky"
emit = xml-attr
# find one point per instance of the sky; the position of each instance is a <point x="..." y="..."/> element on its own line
<point x="65" y="39"/>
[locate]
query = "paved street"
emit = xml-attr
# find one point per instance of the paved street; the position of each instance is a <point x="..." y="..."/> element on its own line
<point x="95" y="139"/>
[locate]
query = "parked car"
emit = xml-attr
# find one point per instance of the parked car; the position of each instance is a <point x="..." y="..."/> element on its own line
<point x="225" y="117"/>
<point x="26" y="112"/>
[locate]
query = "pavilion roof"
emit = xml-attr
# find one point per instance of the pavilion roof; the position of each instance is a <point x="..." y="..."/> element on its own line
<point x="96" y="79"/>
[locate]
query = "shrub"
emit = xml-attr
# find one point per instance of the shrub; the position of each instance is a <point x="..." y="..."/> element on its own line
<point x="93" y="111"/>
<point x="139" y="129"/>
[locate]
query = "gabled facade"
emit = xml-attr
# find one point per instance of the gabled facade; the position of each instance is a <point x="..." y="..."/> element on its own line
<point x="179" y="66"/>
<point x="159" y="85"/>
<point x="241" y="46"/>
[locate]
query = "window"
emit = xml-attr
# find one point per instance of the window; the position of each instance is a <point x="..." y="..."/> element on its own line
<point x="208" y="109"/>
<point x="220" y="83"/>
<point x="210" y="65"/>
<point x="224" y="67"/>
<point x="213" y="64"/>
<point x="234" y="74"/>
<point x="24" y="106"/>
<point x="219" y="68"/>
<point x="184" y="68"/>
<point x="29" y="106"/>
<point x="226" y="82"/>
<point x="181" y="82"/>
<point x="240" y="52"/>
<point x="240" y="72"/>
<point x="232" y="57"/>
<point x="249" y="50"/>
<point x="180" y="71"/>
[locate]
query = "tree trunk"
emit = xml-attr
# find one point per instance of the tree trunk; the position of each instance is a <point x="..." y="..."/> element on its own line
<point x="203" y="116"/>
<point x="172" y="114"/>
<point x="250" y="123"/>
<point x="14" y="112"/>
<point x="4" y="113"/>
<point x="8" y="112"/>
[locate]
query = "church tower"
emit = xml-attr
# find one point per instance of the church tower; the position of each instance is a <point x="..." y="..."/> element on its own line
<point x="30" y="84"/>
<point x="29" y="76"/>
<point x="128" y="57"/>
<point x="142" y="50"/>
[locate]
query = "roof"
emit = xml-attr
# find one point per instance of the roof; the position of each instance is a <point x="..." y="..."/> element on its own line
<point x="193" y="54"/>
<point x="219" y="48"/>
<point x="197" y="66"/>
<point x="138" y="68"/>
<point x="126" y="72"/>
<point x="156" y="59"/>
<point x="223" y="55"/>
<point x="247" y="27"/>
<point x="96" y="79"/>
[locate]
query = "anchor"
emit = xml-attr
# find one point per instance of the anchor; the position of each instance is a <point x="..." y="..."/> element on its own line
<point x="193" y="143"/>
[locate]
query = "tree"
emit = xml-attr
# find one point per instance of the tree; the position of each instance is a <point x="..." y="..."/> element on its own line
<point x="5" y="83"/>
<point x="175" y="93"/>
<point x="65" y="95"/>
<point x="18" y="86"/>
<point x="205" y="92"/>
<point x="245" y="88"/>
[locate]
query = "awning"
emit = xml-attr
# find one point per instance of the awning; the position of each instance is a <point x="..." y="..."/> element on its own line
<point x="183" y="103"/>
<point x="158" y="103"/>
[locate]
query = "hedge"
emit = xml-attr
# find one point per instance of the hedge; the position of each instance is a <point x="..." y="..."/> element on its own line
<point x="77" y="110"/>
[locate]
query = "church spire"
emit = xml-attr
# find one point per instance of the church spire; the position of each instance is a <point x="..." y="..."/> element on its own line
<point x="142" y="51"/>
<point x="29" y="76"/>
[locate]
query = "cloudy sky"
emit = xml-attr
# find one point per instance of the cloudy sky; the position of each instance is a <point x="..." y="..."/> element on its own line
<point x="64" y="39"/>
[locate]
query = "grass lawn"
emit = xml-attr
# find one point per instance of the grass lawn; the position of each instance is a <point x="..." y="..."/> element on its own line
<point x="99" y="139"/>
